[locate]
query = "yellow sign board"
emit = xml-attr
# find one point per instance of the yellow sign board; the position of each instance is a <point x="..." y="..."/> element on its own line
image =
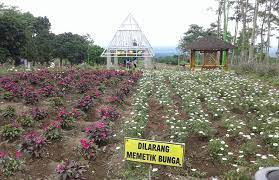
<point x="154" y="152"/>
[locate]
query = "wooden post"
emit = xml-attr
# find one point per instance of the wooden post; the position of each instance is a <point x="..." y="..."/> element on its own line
<point x="192" y="64"/>
<point x="227" y="61"/>
<point x="191" y="58"/>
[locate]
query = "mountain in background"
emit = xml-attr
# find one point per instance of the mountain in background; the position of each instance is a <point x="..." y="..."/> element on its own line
<point x="171" y="50"/>
<point x="272" y="52"/>
<point x="165" y="51"/>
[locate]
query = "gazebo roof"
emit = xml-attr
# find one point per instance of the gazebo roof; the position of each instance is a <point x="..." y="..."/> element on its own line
<point x="210" y="43"/>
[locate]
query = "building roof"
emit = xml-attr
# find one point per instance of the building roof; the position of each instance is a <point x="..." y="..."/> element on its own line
<point x="210" y="43"/>
<point x="129" y="41"/>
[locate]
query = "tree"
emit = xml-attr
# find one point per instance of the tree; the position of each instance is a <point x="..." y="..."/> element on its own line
<point x="70" y="46"/>
<point x="43" y="40"/>
<point x="244" y="6"/>
<point x="254" y="30"/>
<point x="94" y="53"/>
<point x="195" y="32"/>
<point x="12" y="36"/>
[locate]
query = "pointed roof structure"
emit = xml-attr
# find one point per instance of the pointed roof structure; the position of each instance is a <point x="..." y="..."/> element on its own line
<point x="210" y="43"/>
<point x="129" y="41"/>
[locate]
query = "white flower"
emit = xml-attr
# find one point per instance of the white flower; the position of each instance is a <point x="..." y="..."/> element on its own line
<point x="275" y="144"/>
<point x="154" y="169"/>
<point x="224" y="159"/>
<point x="118" y="147"/>
<point x="264" y="157"/>
<point x="193" y="170"/>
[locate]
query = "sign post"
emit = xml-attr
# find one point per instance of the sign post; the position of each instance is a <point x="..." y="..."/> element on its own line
<point x="154" y="152"/>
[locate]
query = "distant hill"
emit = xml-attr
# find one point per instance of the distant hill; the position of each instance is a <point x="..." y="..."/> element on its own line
<point x="165" y="51"/>
<point x="272" y="52"/>
<point x="171" y="50"/>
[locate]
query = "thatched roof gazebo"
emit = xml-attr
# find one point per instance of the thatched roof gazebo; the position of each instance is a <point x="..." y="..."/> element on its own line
<point x="213" y="50"/>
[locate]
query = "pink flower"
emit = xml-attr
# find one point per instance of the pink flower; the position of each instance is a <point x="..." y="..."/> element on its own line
<point x="60" y="168"/>
<point x="18" y="154"/>
<point x="2" y="154"/>
<point x="87" y="129"/>
<point x="84" y="143"/>
<point x="100" y="125"/>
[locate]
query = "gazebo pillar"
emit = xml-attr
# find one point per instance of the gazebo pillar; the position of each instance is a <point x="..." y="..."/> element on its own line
<point x="109" y="62"/>
<point x="116" y="62"/>
<point x="192" y="60"/>
<point x="226" y="65"/>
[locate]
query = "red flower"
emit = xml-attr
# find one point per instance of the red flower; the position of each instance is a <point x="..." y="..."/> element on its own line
<point x="18" y="154"/>
<point x="2" y="154"/>
<point x="84" y="143"/>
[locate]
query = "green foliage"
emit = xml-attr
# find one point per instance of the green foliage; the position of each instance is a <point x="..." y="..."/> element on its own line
<point x="26" y="36"/>
<point x="93" y="54"/>
<point x="8" y="96"/>
<point x="217" y="148"/>
<point x="10" y="165"/>
<point x="12" y="37"/>
<point x="71" y="47"/>
<point x="9" y="111"/>
<point x="173" y="60"/>
<point x="25" y="120"/>
<point x="56" y="101"/>
<point x="11" y="131"/>
<point x="249" y="148"/>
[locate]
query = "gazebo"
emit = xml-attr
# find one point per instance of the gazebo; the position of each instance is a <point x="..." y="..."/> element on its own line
<point x="212" y="50"/>
<point x="129" y="43"/>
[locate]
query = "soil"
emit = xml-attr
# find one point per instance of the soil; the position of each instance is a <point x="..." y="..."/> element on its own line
<point x="44" y="167"/>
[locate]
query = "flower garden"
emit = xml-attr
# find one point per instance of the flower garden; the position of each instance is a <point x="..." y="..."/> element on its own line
<point x="60" y="121"/>
<point x="71" y="123"/>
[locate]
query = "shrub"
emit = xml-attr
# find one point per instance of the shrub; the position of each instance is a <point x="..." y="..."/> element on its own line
<point x="217" y="148"/>
<point x="67" y="119"/>
<point x="249" y="148"/>
<point x="70" y="169"/>
<point x="10" y="165"/>
<point x="261" y="69"/>
<point x="38" y="114"/>
<point x="99" y="132"/>
<point x="85" y="103"/>
<point x="108" y="113"/>
<point x="12" y="87"/>
<point x="47" y="91"/>
<point x="102" y="88"/>
<point x="114" y="99"/>
<point x="95" y="93"/>
<point x="8" y="96"/>
<point x="9" y="111"/>
<point x="30" y="96"/>
<point x="87" y="148"/>
<point x="53" y="130"/>
<point x="25" y="120"/>
<point x="33" y="144"/>
<point x="83" y="86"/>
<point x="11" y="131"/>
<point x="56" y="101"/>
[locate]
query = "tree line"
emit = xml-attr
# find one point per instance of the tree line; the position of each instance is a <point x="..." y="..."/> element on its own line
<point x="24" y="36"/>
<point x="255" y="23"/>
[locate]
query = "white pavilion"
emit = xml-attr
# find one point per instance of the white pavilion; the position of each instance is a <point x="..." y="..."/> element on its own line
<point x="128" y="42"/>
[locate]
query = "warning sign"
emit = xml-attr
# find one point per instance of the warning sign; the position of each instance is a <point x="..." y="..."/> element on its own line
<point x="154" y="152"/>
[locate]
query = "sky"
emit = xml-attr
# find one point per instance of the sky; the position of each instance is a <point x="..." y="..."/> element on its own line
<point x="162" y="21"/>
